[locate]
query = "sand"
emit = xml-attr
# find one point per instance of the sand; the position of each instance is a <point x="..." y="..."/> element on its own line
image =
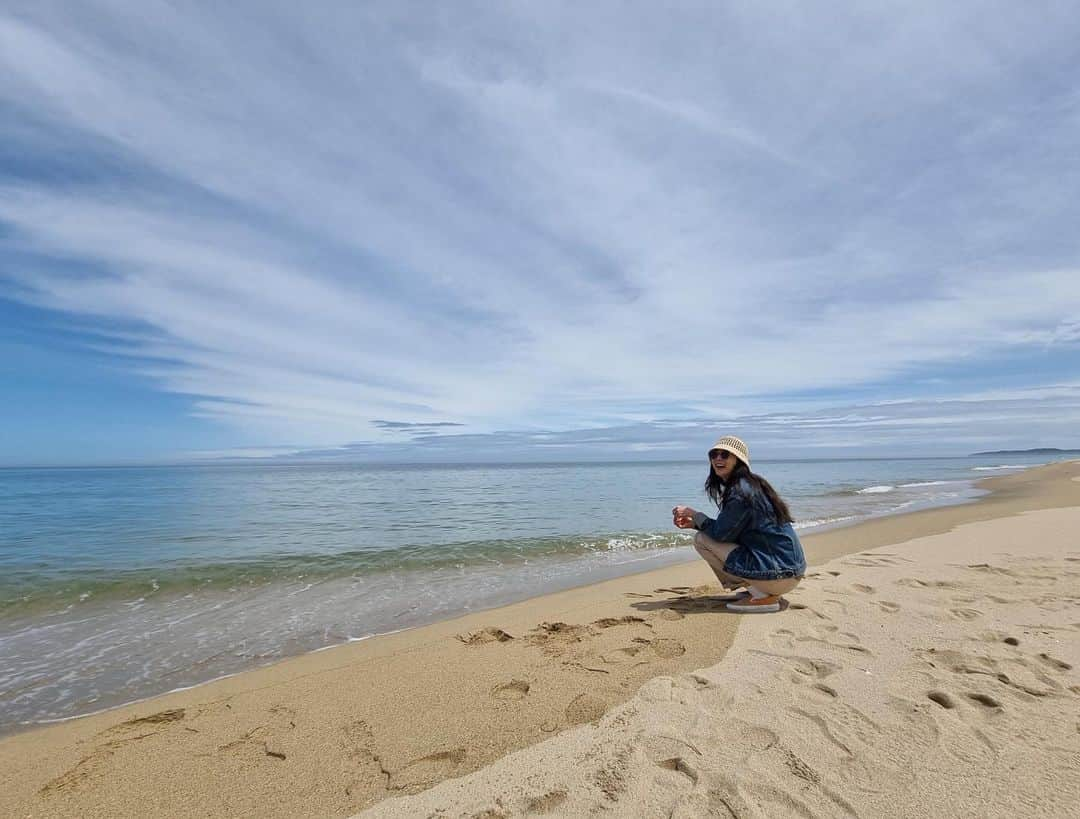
<point x="926" y="664"/>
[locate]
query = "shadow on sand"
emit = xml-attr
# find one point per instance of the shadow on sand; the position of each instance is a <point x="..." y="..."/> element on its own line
<point x="687" y="602"/>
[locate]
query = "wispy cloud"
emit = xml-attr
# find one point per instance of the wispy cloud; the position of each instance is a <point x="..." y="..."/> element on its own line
<point x="368" y="223"/>
<point x="1017" y="419"/>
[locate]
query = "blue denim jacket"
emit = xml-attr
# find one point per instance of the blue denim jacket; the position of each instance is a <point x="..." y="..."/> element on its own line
<point x="767" y="549"/>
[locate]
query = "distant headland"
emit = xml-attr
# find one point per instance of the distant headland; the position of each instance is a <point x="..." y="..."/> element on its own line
<point x="1046" y="450"/>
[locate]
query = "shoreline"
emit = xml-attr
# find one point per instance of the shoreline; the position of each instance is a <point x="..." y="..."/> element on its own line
<point x="659" y="561"/>
<point x="511" y="676"/>
<point x="144" y="689"/>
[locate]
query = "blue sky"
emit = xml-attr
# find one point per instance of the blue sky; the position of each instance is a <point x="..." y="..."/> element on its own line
<point x="406" y="232"/>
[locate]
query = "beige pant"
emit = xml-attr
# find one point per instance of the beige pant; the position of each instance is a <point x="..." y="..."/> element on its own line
<point x="715" y="553"/>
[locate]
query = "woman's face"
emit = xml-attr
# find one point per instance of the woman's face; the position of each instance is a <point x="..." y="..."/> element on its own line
<point x="722" y="462"/>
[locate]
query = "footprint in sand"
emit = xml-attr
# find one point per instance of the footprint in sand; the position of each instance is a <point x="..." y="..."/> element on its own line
<point x="585" y="708"/>
<point x="848" y="725"/>
<point x="620" y="655"/>
<point x="116" y="737"/>
<point x="427" y="770"/>
<point x="560" y="628"/>
<point x="985" y="700"/>
<point x="155" y="719"/>
<point x="627" y="620"/>
<point x="513" y="690"/>
<point x="811" y="667"/>
<point x="671" y="614"/>
<point x="823" y="634"/>
<point x="485" y="635"/>
<point x="953" y="733"/>
<point x="754" y="738"/>
<point x="556" y="638"/>
<point x="841" y="606"/>
<point x="154" y="722"/>
<point x="1023" y="676"/>
<point x="942" y="699"/>
<point x="837" y="726"/>
<point x="667" y="649"/>
<point x="546" y="803"/>
<point x="1054" y="662"/>
<point x="365" y="772"/>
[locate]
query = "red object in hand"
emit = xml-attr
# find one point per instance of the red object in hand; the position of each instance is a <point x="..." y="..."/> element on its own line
<point x="684" y="523"/>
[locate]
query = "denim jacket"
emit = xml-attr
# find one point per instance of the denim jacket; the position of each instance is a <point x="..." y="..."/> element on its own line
<point x="767" y="549"/>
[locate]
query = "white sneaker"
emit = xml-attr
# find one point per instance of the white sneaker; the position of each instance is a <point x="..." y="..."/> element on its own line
<point x="731" y="597"/>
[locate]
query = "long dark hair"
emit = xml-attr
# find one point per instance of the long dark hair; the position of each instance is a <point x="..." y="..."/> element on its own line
<point x="714" y="488"/>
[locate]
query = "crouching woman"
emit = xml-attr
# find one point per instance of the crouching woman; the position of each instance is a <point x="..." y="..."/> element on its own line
<point x="751" y="543"/>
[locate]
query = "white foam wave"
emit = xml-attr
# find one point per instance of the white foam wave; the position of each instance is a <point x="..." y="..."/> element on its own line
<point x="993" y="468"/>
<point x="875" y="490"/>
<point x="809" y="524"/>
<point x="635" y="542"/>
<point x="923" y="483"/>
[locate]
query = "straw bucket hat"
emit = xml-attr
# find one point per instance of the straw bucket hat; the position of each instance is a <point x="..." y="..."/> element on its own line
<point x="735" y="446"/>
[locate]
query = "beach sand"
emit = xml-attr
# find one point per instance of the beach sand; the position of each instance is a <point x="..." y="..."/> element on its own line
<point x="927" y="663"/>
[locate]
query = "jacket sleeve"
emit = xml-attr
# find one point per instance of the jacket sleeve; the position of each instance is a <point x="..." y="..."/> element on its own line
<point x="729" y="524"/>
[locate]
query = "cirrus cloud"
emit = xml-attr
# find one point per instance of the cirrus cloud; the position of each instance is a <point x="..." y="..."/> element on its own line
<point x="325" y="227"/>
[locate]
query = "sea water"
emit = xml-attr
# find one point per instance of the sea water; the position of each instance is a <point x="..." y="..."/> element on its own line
<point x="120" y="583"/>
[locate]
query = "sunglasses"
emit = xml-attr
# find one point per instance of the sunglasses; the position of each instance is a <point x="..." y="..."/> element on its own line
<point x="719" y="454"/>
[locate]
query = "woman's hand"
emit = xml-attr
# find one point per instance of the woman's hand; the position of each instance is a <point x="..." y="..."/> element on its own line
<point x="683" y="517"/>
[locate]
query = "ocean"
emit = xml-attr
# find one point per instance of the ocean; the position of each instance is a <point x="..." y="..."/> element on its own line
<point x="117" y="584"/>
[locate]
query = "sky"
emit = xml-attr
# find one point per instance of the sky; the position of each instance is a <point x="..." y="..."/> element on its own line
<point x="534" y="231"/>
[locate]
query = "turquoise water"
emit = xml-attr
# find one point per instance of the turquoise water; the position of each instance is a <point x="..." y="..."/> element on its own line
<point x="121" y="583"/>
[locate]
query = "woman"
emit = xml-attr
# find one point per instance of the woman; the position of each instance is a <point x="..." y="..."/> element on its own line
<point x="751" y="542"/>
